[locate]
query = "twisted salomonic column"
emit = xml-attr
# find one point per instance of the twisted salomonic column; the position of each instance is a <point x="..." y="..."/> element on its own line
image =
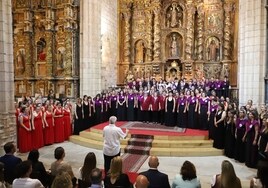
<point x="157" y="31"/>
<point x="150" y="35"/>
<point x="200" y="36"/>
<point x="227" y="31"/>
<point x="127" y="16"/>
<point x="190" y="31"/>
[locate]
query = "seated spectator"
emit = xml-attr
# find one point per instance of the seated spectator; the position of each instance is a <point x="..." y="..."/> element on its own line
<point x="38" y="170"/>
<point x="2" y="181"/>
<point x="187" y="177"/>
<point x="61" y="166"/>
<point x="10" y="161"/>
<point x="261" y="180"/>
<point x="142" y="182"/>
<point x="96" y="178"/>
<point x="63" y="179"/>
<point x="227" y="178"/>
<point x="115" y="177"/>
<point x="90" y="163"/>
<point x="157" y="179"/>
<point x="24" y="181"/>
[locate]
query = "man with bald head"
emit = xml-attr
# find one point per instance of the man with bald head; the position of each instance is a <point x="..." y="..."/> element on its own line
<point x="142" y="182"/>
<point x="156" y="179"/>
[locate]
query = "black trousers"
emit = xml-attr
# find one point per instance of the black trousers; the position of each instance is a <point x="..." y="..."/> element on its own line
<point x="107" y="162"/>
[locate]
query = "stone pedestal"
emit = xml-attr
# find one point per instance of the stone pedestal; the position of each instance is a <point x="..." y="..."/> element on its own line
<point x="7" y="111"/>
<point x="251" y="54"/>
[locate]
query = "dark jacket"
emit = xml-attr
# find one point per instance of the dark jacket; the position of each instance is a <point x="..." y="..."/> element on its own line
<point x="10" y="162"/>
<point x="157" y="179"/>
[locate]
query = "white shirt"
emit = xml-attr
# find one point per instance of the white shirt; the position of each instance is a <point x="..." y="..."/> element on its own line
<point x="112" y="135"/>
<point x="27" y="183"/>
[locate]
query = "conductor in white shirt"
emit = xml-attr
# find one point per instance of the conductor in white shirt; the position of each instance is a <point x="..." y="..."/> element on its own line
<point x="111" y="146"/>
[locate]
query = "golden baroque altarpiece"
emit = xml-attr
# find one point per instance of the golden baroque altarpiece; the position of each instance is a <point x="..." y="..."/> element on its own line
<point x="178" y="38"/>
<point x="46" y="42"/>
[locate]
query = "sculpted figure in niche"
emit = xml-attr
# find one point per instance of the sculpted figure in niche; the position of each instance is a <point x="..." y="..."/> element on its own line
<point x="174" y="48"/>
<point x="213" y="51"/>
<point x="20" y="60"/>
<point x="60" y="59"/>
<point x="173" y="17"/>
<point x="140" y="52"/>
<point x="41" y="44"/>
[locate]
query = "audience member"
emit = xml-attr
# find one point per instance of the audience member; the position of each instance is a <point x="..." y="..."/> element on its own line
<point x="60" y="165"/>
<point x="24" y="181"/>
<point x="96" y="178"/>
<point x="2" y="181"/>
<point x="38" y="170"/>
<point x="85" y="171"/>
<point x="157" y="179"/>
<point x="261" y="181"/>
<point x="63" y="179"/>
<point x="111" y="147"/>
<point x="142" y="182"/>
<point x="187" y="177"/>
<point x="227" y="178"/>
<point x="115" y="176"/>
<point x="10" y="161"/>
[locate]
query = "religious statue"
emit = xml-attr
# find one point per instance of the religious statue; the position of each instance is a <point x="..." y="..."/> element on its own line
<point x="140" y="52"/>
<point x="174" y="16"/>
<point x="41" y="44"/>
<point x="213" y="51"/>
<point x="20" y="60"/>
<point x="60" y="60"/>
<point x="174" y="48"/>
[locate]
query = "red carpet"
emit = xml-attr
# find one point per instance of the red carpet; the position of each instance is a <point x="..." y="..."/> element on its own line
<point x="132" y="130"/>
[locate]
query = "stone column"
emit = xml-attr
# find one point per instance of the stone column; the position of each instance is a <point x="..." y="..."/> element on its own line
<point x="157" y="32"/>
<point x="127" y="16"/>
<point x="200" y="35"/>
<point x="228" y="7"/>
<point x="7" y="117"/>
<point x="109" y="33"/>
<point x="90" y="47"/>
<point x="149" y="15"/>
<point x="190" y="31"/>
<point x="251" y="54"/>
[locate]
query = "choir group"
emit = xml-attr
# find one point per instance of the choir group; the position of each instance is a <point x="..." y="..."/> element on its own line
<point x="196" y="104"/>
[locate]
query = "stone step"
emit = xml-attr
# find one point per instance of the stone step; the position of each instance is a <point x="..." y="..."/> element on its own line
<point x="186" y="152"/>
<point x="140" y="142"/>
<point x="182" y="143"/>
<point x="139" y="150"/>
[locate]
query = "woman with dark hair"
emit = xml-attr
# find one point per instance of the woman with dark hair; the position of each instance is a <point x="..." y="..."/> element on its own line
<point x="261" y="180"/>
<point x="38" y="169"/>
<point x="25" y="137"/>
<point x="59" y="123"/>
<point x="211" y="117"/>
<point x="130" y="104"/>
<point x="192" y="103"/>
<point x="229" y="134"/>
<point x="60" y="165"/>
<point x="37" y="127"/>
<point x="105" y="113"/>
<point x="2" y="181"/>
<point x="90" y="163"/>
<point x="240" y="136"/>
<point x="121" y="106"/>
<point x="98" y="106"/>
<point x="263" y="140"/>
<point x="181" y="110"/>
<point x="187" y="177"/>
<point x="49" y="126"/>
<point x="203" y="111"/>
<point x="67" y="118"/>
<point x="252" y="133"/>
<point x="227" y="178"/>
<point x="112" y="103"/>
<point x="170" y="106"/>
<point x="219" y="127"/>
<point x="86" y="113"/>
<point x="155" y="107"/>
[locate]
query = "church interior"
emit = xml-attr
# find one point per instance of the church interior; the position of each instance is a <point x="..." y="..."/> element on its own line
<point x="82" y="47"/>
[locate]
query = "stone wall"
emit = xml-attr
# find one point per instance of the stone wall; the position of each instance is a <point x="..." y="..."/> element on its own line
<point x="7" y="118"/>
<point x="98" y="45"/>
<point x="252" y="44"/>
